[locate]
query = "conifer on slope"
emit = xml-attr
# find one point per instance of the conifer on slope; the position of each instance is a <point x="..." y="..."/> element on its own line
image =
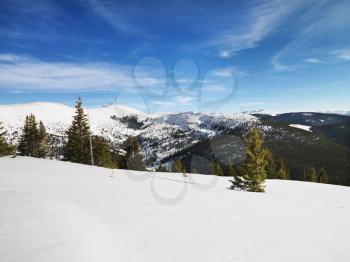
<point x="5" y="148"/>
<point x="134" y="159"/>
<point x="34" y="139"/>
<point x="28" y="142"/>
<point x="230" y="169"/>
<point x="43" y="141"/>
<point x="77" y="146"/>
<point x="102" y="152"/>
<point x="281" y="170"/>
<point x="253" y="173"/>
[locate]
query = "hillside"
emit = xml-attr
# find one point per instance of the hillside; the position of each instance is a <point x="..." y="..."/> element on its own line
<point x="302" y="140"/>
<point x="59" y="211"/>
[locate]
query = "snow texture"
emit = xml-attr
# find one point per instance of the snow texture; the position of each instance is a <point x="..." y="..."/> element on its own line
<point x="60" y="211"/>
<point x="303" y="127"/>
<point x="161" y="135"/>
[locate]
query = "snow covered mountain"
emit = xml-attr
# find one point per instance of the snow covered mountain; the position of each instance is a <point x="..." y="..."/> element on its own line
<point x="60" y="211"/>
<point x="160" y="135"/>
<point x="199" y="138"/>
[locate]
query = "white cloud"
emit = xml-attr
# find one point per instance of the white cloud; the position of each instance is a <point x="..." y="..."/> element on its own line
<point x="321" y="22"/>
<point x="213" y="87"/>
<point x="183" y="99"/>
<point x="313" y="61"/>
<point x="229" y="72"/>
<point x="25" y="73"/>
<point x="343" y="54"/>
<point x="225" y="54"/>
<point x="163" y="103"/>
<point x="278" y="66"/>
<point x="13" y="58"/>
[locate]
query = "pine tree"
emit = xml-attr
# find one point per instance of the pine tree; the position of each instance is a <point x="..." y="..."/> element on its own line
<point x="134" y="159"/>
<point x="161" y="168"/>
<point x="5" y="148"/>
<point x="217" y="168"/>
<point x="254" y="169"/>
<point x="179" y="167"/>
<point x="34" y="140"/>
<point x="310" y="174"/>
<point x="230" y="169"/>
<point x="281" y="170"/>
<point x="238" y="182"/>
<point x="270" y="167"/>
<point x="194" y="170"/>
<point x="77" y="146"/>
<point x="28" y="143"/>
<point x="322" y="176"/>
<point x="102" y="152"/>
<point x="43" y="141"/>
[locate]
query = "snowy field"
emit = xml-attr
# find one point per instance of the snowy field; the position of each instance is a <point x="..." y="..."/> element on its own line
<point x="57" y="211"/>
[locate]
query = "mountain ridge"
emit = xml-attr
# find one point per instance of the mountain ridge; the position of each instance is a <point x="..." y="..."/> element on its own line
<point x="200" y="138"/>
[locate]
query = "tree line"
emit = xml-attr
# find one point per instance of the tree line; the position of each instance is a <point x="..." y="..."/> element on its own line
<point x="258" y="166"/>
<point x="81" y="146"/>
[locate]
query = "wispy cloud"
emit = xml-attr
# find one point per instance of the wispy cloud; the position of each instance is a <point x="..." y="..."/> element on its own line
<point x="343" y="54"/>
<point x="26" y="73"/>
<point x="262" y="19"/>
<point x="42" y="21"/>
<point x="229" y="72"/>
<point x="163" y="103"/>
<point x="183" y="99"/>
<point x="322" y="22"/>
<point x="114" y="14"/>
<point x="14" y="58"/>
<point x="313" y="61"/>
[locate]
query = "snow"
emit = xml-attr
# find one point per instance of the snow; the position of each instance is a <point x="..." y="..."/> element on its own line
<point x="53" y="113"/>
<point x="161" y="134"/>
<point x="303" y="127"/>
<point x="57" y="118"/>
<point x="59" y="211"/>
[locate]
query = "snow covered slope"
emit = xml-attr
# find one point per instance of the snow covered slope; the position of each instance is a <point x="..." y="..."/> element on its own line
<point x="302" y="127"/>
<point x="59" y="211"/>
<point x="161" y="135"/>
<point x="57" y="117"/>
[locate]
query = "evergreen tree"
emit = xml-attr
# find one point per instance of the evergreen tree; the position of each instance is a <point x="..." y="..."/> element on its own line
<point x="238" y="182"/>
<point x="43" y="141"/>
<point x="178" y="166"/>
<point x="77" y="147"/>
<point x="194" y="170"/>
<point x="134" y="159"/>
<point x="34" y="140"/>
<point x="5" y="148"/>
<point x="270" y="167"/>
<point x="28" y="143"/>
<point x="102" y="152"/>
<point x="281" y="170"/>
<point x="310" y="174"/>
<point x="161" y="168"/>
<point x="230" y="169"/>
<point x="322" y="176"/>
<point x="120" y="159"/>
<point x="217" y="168"/>
<point x="254" y="169"/>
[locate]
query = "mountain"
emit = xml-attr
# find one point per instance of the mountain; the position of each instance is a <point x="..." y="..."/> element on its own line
<point x="60" y="211"/>
<point x="304" y="139"/>
<point x="160" y="135"/>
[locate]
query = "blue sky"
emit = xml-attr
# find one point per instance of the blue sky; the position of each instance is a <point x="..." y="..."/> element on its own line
<point x="212" y="56"/>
